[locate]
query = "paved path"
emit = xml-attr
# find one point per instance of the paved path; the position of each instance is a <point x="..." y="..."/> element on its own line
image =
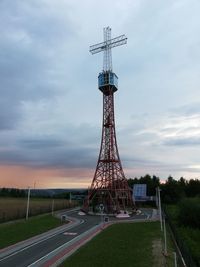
<point x="52" y="247"/>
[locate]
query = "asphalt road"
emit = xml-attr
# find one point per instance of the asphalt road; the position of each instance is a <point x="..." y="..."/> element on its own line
<point x="33" y="253"/>
<point x="29" y="255"/>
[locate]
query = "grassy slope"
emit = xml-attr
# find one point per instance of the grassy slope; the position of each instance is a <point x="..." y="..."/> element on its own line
<point x="119" y="245"/>
<point x="18" y="231"/>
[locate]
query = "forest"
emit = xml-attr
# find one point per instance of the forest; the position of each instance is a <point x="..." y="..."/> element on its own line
<point x="172" y="190"/>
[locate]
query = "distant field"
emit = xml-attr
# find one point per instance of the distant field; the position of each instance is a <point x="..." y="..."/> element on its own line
<point x="15" y="208"/>
<point x="128" y="244"/>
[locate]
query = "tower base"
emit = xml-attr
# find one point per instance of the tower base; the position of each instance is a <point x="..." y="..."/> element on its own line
<point x="110" y="201"/>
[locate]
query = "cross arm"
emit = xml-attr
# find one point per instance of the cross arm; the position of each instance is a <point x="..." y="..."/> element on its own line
<point x="120" y="40"/>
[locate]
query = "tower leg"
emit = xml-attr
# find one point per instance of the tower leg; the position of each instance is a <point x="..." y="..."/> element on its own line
<point x="109" y="186"/>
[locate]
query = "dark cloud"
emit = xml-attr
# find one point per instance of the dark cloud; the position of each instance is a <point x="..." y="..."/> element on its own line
<point x="50" y="157"/>
<point x="43" y="150"/>
<point x="14" y="157"/>
<point x="40" y="143"/>
<point x="9" y="114"/>
<point x="73" y="158"/>
<point x="31" y="34"/>
<point x="182" y="142"/>
<point x="134" y="161"/>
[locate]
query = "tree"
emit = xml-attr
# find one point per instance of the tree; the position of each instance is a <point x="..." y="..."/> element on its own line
<point x="193" y="188"/>
<point x="171" y="191"/>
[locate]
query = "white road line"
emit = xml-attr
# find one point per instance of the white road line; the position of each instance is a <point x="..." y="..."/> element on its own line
<point x="45" y="256"/>
<point x="36" y="243"/>
<point x="63" y="245"/>
<point x="69" y="233"/>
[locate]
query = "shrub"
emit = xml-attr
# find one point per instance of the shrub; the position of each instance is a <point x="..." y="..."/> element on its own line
<point x="189" y="212"/>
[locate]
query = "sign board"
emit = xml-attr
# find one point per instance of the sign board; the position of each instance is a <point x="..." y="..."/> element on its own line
<point x="140" y="191"/>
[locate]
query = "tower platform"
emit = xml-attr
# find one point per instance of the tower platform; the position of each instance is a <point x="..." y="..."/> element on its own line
<point x="107" y="82"/>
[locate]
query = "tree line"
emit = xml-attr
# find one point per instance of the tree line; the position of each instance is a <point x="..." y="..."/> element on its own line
<point x="12" y="192"/>
<point x="21" y="193"/>
<point x="172" y="190"/>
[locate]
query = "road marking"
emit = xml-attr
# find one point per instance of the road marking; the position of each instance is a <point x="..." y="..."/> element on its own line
<point x="45" y="256"/>
<point x="69" y="233"/>
<point x="60" y="247"/>
<point x="36" y="243"/>
<point x="53" y="251"/>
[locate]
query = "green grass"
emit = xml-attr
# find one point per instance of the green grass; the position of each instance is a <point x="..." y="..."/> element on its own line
<point x="127" y="244"/>
<point x="191" y="237"/>
<point x="14" y="232"/>
<point x="172" y="210"/>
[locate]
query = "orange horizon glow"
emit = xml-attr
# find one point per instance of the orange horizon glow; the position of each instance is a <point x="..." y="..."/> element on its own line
<point x="24" y="177"/>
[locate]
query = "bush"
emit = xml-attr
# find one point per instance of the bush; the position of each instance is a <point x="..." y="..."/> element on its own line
<point x="189" y="212"/>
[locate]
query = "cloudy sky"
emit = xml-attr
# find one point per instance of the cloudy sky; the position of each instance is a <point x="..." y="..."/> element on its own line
<point x="51" y="108"/>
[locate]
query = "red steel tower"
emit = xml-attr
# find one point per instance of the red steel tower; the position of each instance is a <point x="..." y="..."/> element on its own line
<point x="109" y="188"/>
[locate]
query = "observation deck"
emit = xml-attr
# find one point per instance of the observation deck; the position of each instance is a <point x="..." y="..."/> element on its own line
<point x="107" y="82"/>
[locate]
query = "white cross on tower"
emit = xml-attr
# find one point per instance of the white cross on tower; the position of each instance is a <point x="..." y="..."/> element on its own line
<point x="106" y="47"/>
